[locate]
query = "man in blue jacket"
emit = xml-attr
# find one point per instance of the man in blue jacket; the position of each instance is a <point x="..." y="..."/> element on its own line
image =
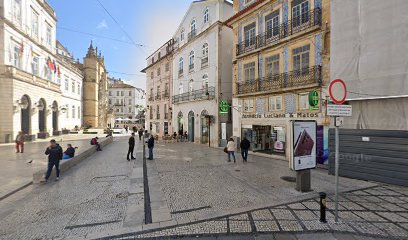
<point x="150" y="145"/>
<point x="54" y="152"/>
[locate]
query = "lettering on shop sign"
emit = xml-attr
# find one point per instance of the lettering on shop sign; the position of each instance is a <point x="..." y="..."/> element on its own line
<point x="281" y="115"/>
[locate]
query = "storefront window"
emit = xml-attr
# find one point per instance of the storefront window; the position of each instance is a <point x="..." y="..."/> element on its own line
<point x="266" y="139"/>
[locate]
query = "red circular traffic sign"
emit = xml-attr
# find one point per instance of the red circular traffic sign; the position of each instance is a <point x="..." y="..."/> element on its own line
<point x="338" y="91"/>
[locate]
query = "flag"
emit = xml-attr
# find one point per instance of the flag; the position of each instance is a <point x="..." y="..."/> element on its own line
<point x="49" y="63"/>
<point x="59" y="72"/>
<point x="54" y="66"/>
<point x="21" y="48"/>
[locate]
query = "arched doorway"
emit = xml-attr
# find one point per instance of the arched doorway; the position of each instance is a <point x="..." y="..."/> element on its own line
<point x="54" y="116"/>
<point x="205" y="127"/>
<point x="191" y="126"/>
<point x="180" y="122"/>
<point x="42" y="115"/>
<point x="25" y="104"/>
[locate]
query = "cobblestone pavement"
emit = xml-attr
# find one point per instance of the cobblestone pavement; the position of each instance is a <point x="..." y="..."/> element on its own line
<point x="198" y="182"/>
<point x="91" y="197"/>
<point x="371" y="213"/>
<point x="16" y="172"/>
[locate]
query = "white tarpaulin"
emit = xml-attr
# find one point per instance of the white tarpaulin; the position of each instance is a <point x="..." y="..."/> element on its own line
<point x="369" y="51"/>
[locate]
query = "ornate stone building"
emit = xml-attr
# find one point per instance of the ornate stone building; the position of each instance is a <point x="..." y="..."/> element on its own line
<point x="95" y="90"/>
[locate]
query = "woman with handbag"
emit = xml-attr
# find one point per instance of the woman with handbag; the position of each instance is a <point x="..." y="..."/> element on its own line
<point x="231" y="146"/>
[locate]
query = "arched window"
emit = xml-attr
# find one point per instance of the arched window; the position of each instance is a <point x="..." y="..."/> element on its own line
<point x="73" y="112"/>
<point x="181" y="63"/>
<point x="204" y="59"/>
<point x="206" y="15"/>
<point x="190" y="86"/>
<point x="193" y="26"/>
<point x="191" y="61"/>
<point x="182" y="35"/>
<point x="205" y="82"/>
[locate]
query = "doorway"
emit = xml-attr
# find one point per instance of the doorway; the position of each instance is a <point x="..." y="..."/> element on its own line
<point x="25" y="114"/>
<point x="42" y="115"/>
<point x="191" y="126"/>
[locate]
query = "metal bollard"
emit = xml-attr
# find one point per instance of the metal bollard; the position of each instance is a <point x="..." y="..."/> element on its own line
<point x="322" y="207"/>
<point x="144" y="148"/>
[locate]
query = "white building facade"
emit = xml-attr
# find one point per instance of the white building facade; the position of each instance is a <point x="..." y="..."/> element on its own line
<point x="29" y="84"/>
<point x="202" y="73"/>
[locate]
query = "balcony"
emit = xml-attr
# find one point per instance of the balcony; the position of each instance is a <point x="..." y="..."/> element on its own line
<point x="306" y="21"/>
<point x="202" y="94"/>
<point x="158" y="97"/>
<point x="280" y="82"/>
<point x="166" y="95"/>
<point x="180" y="72"/>
<point x="204" y="62"/>
<point x="191" y="35"/>
<point x="191" y="67"/>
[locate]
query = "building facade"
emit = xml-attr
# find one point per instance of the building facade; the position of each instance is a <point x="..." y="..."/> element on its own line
<point x="281" y="56"/>
<point x="29" y="86"/>
<point x="70" y="77"/>
<point x="202" y="73"/>
<point x="96" y="112"/>
<point x="159" y="73"/>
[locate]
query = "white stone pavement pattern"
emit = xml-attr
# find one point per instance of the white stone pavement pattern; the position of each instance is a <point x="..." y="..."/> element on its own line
<point x="89" y="198"/>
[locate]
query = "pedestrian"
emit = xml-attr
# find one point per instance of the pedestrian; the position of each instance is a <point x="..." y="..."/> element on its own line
<point x="185" y="136"/>
<point x="94" y="141"/>
<point x="134" y="129"/>
<point x="20" y="138"/>
<point x="175" y="136"/>
<point x="244" y="149"/>
<point x="54" y="152"/>
<point x="70" y="152"/>
<point x="231" y="149"/>
<point x="146" y="135"/>
<point x="150" y="145"/>
<point x="140" y="134"/>
<point x="131" y="146"/>
<point x="180" y="133"/>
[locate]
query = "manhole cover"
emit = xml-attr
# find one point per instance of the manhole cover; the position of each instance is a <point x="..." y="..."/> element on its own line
<point x="288" y="179"/>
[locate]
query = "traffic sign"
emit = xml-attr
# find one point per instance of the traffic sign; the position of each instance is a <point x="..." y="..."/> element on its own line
<point x="339" y="110"/>
<point x="338" y="91"/>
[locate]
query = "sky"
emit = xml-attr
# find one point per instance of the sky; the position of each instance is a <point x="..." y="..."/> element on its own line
<point x="148" y="22"/>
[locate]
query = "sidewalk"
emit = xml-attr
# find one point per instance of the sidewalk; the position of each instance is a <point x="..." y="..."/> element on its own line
<point x="16" y="172"/>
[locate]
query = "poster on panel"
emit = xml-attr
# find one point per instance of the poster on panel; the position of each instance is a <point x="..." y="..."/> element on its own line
<point x="304" y="145"/>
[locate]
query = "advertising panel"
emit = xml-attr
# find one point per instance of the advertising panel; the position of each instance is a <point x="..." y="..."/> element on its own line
<point x="304" y="146"/>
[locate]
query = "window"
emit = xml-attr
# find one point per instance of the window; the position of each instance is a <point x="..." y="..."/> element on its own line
<point x="304" y="101"/>
<point x="275" y="103"/>
<point x="191" y="86"/>
<point x="79" y="112"/>
<point x="73" y="111"/>
<point x="247" y="1"/>
<point x="206" y="15"/>
<point x="182" y="35"/>
<point x="110" y="93"/>
<point x="272" y="66"/>
<point x="117" y="102"/>
<point x="34" y="24"/>
<point x="159" y="55"/>
<point x="248" y="105"/>
<point x="204" y="59"/>
<point x="158" y="72"/>
<point x="158" y="91"/>
<point x="167" y="68"/>
<point x="249" y="71"/>
<point x="110" y="101"/>
<point x="205" y="82"/>
<point x="152" y="75"/>
<point x="300" y="12"/>
<point x="249" y="35"/>
<point x="130" y="101"/>
<point x="73" y="87"/>
<point x="130" y="93"/>
<point x="191" y="61"/>
<point x="34" y="65"/>
<point x="193" y="26"/>
<point x="48" y="34"/>
<point x="158" y="112"/>
<point x="67" y="113"/>
<point x="181" y="64"/>
<point x="48" y="73"/>
<point x="66" y="84"/>
<point x="17" y="56"/>
<point x="181" y="90"/>
<point x="272" y="24"/>
<point x="17" y="11"/>
<point x="130" y="110"/>
<point x="121" y="93"/>
<point x="301" y="59"/>
<point x="79" y="89"/>
<point x="166" y="89"/>
<point x="117" y="93"/>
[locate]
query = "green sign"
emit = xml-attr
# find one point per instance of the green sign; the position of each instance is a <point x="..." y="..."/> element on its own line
<point x="314" y="100"/>
<point x="224" y="106"/>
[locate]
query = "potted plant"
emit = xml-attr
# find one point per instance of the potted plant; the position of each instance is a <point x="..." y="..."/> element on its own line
<point x="43" y="135"/>
<point x="65" y="131"/>
<point x="56" y="133"/>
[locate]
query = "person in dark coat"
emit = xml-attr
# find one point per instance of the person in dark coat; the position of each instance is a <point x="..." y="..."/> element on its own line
<point x="131" y="146"/>
<point x="54" y="152"/>
<point x="140" y="134"/>
<point x="70" y="152"/>
<point x="150" y="145"/>
<point x="244" y="149"/>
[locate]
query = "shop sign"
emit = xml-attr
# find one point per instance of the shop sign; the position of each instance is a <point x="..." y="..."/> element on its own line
<point x="314" y="100"/>
<point x="304" y="145"/>
<point x="224" y="106"/>
<point x="281" y="115"/>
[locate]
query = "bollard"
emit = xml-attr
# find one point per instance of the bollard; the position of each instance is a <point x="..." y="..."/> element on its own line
<point x="322" y="207"/>
<point x="144" y="148"/>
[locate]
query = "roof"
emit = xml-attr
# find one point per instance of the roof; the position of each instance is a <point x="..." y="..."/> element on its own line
<point x="121" y="85"/>
<point x="242" y="12"/>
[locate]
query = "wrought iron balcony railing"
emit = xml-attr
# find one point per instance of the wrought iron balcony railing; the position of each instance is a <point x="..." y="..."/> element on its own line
<point x="191" y="67"/>
<point x="202" y="94"/>
<point x="166" y="95"/>
<point x="204" y="62"/>
<point x="294" y="79"/>
<point x="271" y="36"/>
<point x="191" y="35"/>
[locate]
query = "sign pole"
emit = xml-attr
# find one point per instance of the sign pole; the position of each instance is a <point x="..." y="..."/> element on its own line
<point x="336" y="178"/>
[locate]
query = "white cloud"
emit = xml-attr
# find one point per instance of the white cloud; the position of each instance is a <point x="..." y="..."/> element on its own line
<point x="102" y="25"/>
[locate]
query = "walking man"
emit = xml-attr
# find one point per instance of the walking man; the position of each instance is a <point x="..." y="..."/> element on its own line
<point x="20" y="142"/>
<point x="54" y="152"/>
<point x="131" y="146"/>
<point x="244" y="149"/>
<point x="140" y="134"/>
<point x="150" y="145"/>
